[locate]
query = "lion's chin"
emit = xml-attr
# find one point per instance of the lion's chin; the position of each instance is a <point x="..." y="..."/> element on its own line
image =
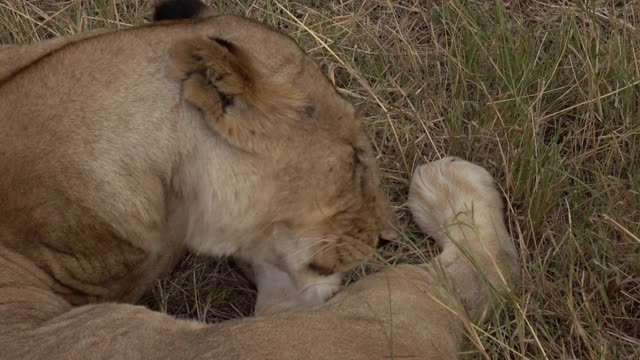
<point x="278" y="292"/>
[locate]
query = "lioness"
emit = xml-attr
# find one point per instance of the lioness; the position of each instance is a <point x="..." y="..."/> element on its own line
<point x="111" y="166"/>
<point x="84" y="222"/>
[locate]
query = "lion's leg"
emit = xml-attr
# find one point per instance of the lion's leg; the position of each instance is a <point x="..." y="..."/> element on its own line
<point x="356" y="325"/>
<point x="458" y="204"/>
<point x="25" y="296"/>
<point x="104" y="331"/>
<point x="35" y="323"/>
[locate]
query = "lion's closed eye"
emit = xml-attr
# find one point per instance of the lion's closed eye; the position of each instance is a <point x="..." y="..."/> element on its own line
<point x="320" y="270"/>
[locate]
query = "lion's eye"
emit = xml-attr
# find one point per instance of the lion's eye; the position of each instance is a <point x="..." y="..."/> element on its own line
<point x="320" y="270"/>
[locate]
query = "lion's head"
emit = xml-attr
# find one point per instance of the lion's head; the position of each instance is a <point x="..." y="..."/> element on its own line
<point x="321" y="204"/>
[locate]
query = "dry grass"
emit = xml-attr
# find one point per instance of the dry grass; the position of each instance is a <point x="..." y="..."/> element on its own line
<point x="544" y="93"/>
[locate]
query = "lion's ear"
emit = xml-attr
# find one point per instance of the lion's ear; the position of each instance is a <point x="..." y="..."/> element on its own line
<point x="214" y="77"/>
<point x="178" y="9"/>
<point x="215" y="60"/>
<point x="244" y="108"/>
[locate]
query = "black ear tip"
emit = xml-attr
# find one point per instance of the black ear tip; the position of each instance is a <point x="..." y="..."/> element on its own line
<point x="177" y="9"/>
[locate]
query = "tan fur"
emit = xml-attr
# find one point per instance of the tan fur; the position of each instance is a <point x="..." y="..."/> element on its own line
<point x="402" y="312"/>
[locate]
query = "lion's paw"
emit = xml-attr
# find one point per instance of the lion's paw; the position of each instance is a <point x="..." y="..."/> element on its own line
<point x="444" y="190"/>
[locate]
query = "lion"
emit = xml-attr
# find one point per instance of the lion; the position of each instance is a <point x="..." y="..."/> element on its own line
<point x="206" y="134"/>
<point x="111" y="169"/>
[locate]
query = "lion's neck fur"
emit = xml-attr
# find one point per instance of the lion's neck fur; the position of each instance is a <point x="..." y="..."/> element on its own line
<point x="218" y="211"/>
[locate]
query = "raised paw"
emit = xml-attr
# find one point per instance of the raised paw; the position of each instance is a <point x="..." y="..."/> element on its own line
<point x="448" y="191"/>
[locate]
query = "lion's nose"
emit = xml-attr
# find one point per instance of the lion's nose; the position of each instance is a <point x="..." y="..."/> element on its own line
<point x="382" y="242"/>
<point x="389" y="233"/>
<point x="387" y="237"/>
